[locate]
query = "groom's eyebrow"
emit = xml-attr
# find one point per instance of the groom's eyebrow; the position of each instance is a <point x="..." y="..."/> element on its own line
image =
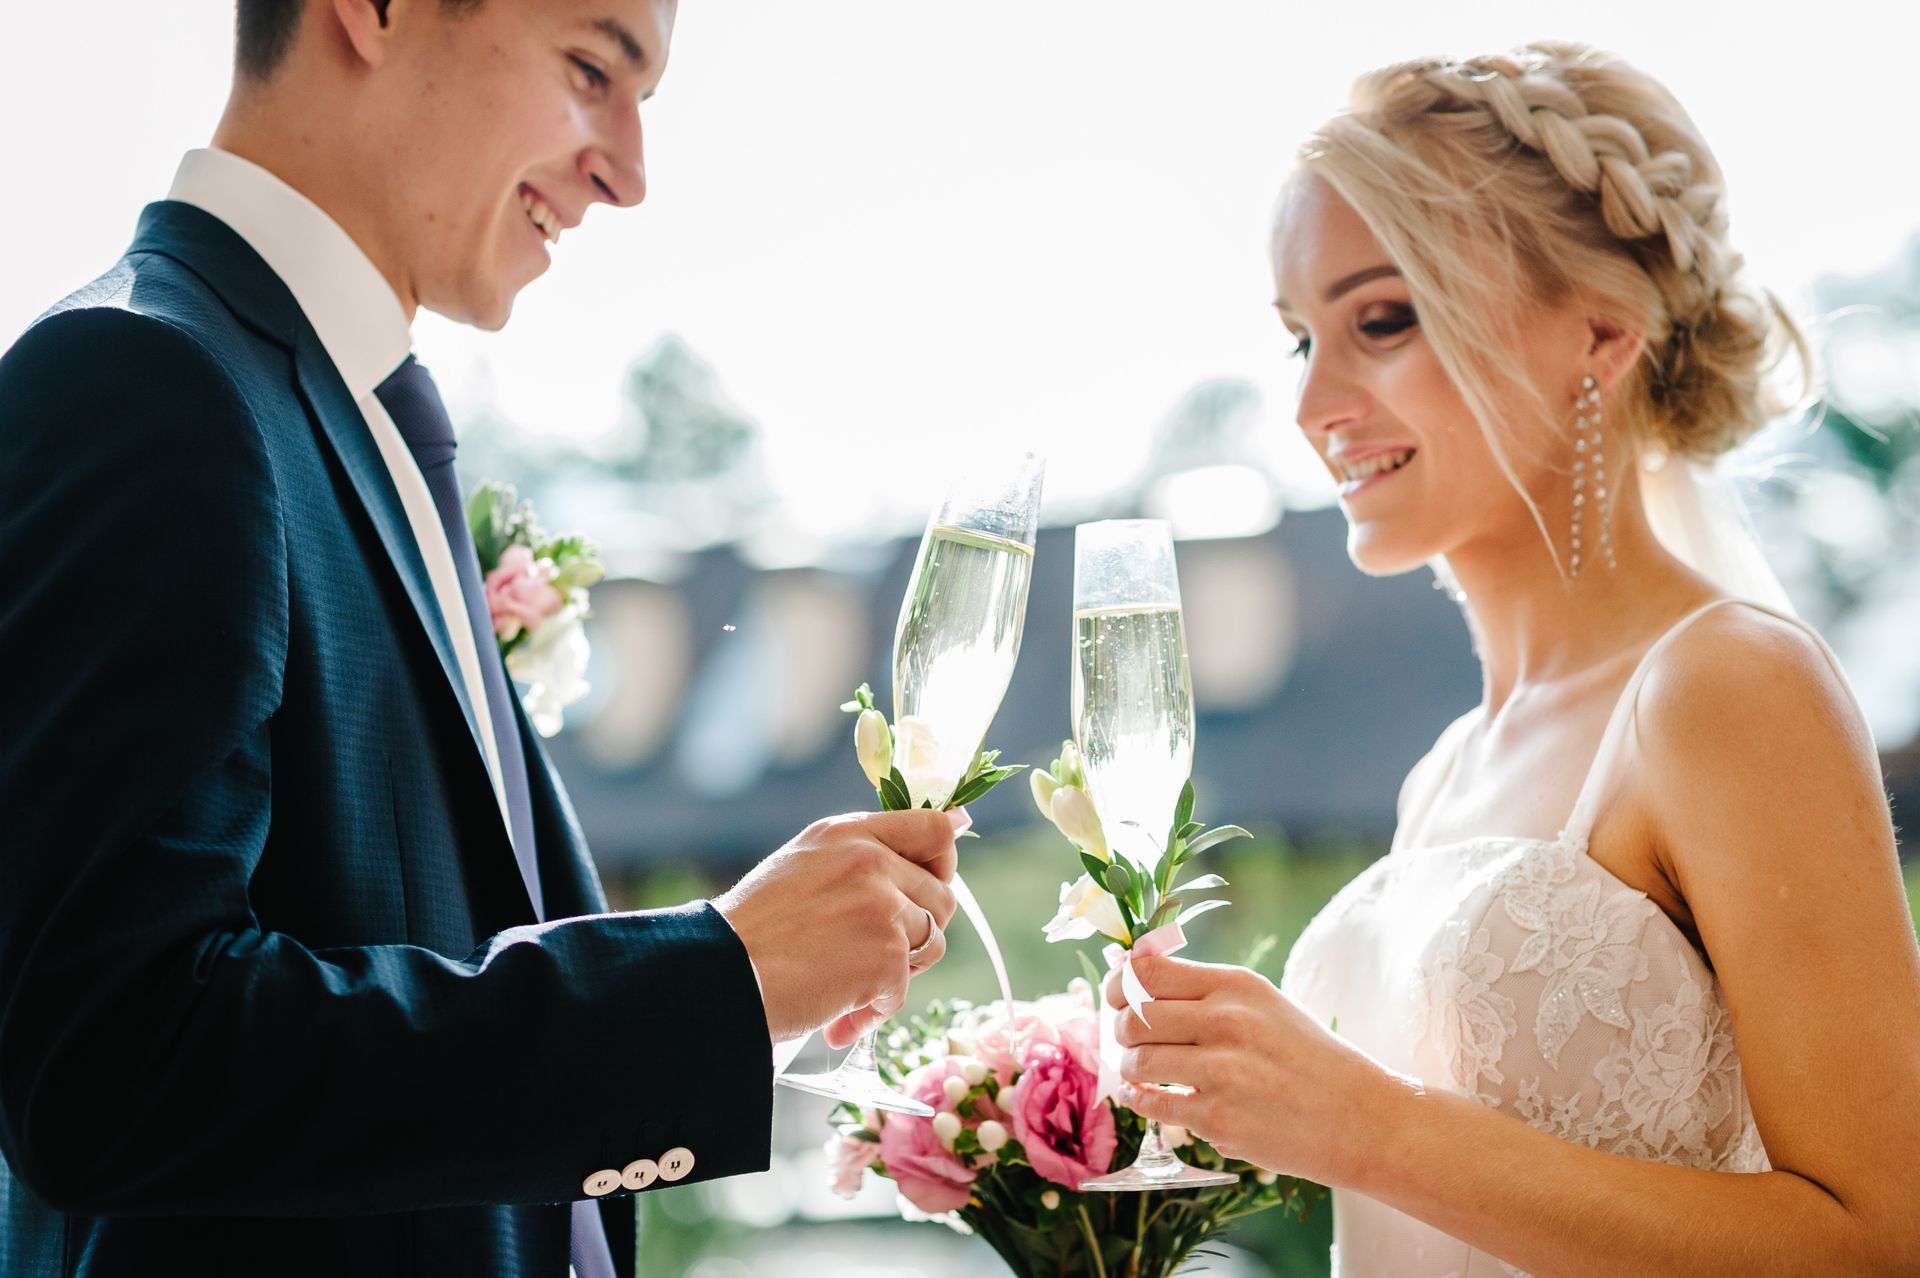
<point x="630" y="48"/>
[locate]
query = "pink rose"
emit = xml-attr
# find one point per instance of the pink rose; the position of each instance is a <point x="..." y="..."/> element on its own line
<point x="931" y="1176"/>
<point x="847" y="1158"/>
<point x="1059" y="1118"/>
<point x="1064" y="1020"/>
<point x="519" y="596"/>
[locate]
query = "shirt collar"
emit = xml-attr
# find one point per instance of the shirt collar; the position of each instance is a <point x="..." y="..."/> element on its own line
<point x="349" y="303"/>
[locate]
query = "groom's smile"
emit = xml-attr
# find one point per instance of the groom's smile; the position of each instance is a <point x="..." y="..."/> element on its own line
<point x="541" y="215"/>
<point x="481" y="131"/>
<point x="550" y="92"/>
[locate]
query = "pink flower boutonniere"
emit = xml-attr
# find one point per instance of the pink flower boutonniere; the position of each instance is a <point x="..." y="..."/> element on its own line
<point x="537" y="599"/>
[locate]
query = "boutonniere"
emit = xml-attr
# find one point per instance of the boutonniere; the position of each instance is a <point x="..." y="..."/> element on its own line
<point x="537" y="599"/>
<point x="1120" y="898"/>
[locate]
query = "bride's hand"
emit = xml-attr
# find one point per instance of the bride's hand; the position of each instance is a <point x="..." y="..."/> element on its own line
<point x="1271" y="1086"/>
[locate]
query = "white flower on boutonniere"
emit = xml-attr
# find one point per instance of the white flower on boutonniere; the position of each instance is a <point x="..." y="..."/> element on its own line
<point x="537" y="599"/>
<point x="1123" y="897"/>
<point x="904" y="762"/>
<point x="1087" y="910"/>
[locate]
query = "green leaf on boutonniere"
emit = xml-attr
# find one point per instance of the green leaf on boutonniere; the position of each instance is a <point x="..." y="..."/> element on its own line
<point x="981" y="782"/>
<point x="569" y="549"/>
<point x="1183" y="811"/>
<point x="485" y="522"/>
<point x="1202" y="883"/>
<point x="1118" y="881"/>
<point x="1168" y="908"/>
<point x="1196" y="911"/>
<point x="893" y="792"/>
<point x="1214" y="837"/>
<point x="1096" y="868"/>
<point x="580" y="574"/>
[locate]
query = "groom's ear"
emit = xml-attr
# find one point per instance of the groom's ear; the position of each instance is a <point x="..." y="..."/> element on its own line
<point x="367" y="26"/>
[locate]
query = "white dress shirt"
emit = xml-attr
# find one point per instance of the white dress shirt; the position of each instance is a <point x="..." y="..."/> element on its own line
<point x="364" y="329"/>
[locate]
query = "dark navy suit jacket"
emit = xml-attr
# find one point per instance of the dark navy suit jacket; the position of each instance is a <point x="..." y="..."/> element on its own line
<point x="272" y="995"/>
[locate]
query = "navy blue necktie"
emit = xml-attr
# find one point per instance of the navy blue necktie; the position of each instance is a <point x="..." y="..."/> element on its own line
<point x="412" y="400"/>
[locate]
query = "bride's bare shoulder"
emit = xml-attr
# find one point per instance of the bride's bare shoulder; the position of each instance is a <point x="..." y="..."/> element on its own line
<point x="1748" y="703"/>
<point x="1741" y="664"/>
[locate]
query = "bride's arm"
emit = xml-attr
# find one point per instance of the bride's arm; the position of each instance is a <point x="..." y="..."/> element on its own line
<point x="1785" y="856"/>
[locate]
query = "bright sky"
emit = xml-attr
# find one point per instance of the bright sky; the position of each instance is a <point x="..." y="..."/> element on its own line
<point x="901" y="228"/>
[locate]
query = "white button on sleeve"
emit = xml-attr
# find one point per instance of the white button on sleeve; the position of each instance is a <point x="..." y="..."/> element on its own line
<point x="676" y="1163"/>
<point x="601" y="1183"/>
<point x="639" y="1173"/>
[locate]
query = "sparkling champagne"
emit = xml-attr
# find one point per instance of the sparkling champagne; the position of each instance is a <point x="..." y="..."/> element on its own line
<point x="1133" y="717"/>
<point x="954" y="652"/>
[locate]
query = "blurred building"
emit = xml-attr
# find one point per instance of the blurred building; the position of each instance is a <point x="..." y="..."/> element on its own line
<point x="714" y="727"/>
<point x="713" y="730"/>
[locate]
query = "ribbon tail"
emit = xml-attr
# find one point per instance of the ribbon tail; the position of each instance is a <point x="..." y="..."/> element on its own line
<point x="1136" y="993"/>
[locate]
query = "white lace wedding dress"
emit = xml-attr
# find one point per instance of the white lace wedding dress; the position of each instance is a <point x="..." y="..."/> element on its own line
<point x="1521" y="972"/>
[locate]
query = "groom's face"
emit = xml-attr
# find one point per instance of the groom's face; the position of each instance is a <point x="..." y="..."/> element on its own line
<point x="510" y="119"/>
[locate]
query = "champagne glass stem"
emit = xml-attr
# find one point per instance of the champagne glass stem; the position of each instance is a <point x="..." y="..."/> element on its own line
<point x="1154" y="1154"/>
<point x="862" y="1058"/>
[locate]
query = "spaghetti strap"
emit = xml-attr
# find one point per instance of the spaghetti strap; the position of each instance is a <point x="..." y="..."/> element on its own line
<point x="1580" y="823"/>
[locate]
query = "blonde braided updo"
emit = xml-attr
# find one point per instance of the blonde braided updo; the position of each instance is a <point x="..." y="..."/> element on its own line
<point x="1551" y="171"/>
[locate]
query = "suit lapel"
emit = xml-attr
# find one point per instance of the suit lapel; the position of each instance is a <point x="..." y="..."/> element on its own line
<point x="213" y="251"/>
<point x="563" y="848"/>
<point x="344" y="427"/>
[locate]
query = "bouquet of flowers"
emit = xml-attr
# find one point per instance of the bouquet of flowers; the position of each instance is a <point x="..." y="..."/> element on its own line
<point x="1022" y="1093"/>
<point x="537" y="598"/>
<point x="1023" y="1117"/>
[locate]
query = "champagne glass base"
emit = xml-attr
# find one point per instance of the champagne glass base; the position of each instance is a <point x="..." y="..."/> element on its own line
<point x="1141" y="1177"/>
<point x="862" y="1087"/>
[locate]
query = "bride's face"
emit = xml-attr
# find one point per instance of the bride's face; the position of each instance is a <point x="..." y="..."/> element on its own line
<point x="1416" y="475"/>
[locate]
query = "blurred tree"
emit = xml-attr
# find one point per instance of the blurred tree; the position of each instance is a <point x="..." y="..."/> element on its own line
<point x="690" y="453"/>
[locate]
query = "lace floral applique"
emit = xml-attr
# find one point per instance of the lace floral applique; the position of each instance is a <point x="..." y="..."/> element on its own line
<point x="1560" y="1116"/>
<point x="1584" y="938"/>
<point x="1462" y="1013"/>
<point x="1675" y="1081"/>
<point x="1746" y="1154"/>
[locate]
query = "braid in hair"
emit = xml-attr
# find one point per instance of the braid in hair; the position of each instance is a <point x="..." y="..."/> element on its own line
<point x="1619" y="144"/>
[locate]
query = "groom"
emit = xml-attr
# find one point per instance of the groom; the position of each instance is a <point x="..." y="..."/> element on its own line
<point x="304" y="967"/>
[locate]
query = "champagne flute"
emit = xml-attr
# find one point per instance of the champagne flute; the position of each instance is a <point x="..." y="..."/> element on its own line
<point x="954" y="650"/>
<point x="1133" y="723"/>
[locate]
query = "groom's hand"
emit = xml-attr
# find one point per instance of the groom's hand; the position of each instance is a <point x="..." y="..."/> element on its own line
<point x="828" y="920"/>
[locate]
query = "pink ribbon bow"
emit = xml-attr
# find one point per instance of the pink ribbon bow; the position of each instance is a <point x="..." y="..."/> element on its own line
<point x="1165" y="939"/>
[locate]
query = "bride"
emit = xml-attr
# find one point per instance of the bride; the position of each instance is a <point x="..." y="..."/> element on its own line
<point x="1636" y="990"/>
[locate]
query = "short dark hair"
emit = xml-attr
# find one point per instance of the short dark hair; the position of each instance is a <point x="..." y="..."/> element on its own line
<point x="263" y="31"/>
<point x="262" y="34"/>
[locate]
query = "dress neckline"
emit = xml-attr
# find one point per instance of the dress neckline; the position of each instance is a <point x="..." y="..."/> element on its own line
<point x="1579" y="823"/>
<point x="1574" y="833"/>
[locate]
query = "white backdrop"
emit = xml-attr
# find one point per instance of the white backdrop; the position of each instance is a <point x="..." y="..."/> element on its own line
<point x="889" y="224"/>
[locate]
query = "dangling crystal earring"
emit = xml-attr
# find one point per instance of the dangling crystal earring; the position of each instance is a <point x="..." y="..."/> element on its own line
<point x="1586" y="446"/>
